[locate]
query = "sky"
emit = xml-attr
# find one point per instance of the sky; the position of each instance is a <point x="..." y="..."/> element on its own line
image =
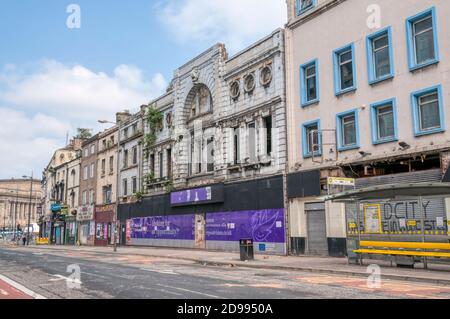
<point x="58" y="72"/>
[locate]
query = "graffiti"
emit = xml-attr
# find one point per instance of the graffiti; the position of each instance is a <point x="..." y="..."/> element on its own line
<point x="407" y="210"/>
<point x="263" y="223"/>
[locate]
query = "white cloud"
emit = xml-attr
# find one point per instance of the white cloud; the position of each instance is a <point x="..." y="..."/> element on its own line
<point x="41" y="103"/>
<point x="236" y="23"/>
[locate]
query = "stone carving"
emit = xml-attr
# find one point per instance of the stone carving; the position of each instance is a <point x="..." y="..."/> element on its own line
<point x="235" y="89"/>
<point x="266" y="75"/>
<point x="249" y="83"/>
<point x="195" y="75"/>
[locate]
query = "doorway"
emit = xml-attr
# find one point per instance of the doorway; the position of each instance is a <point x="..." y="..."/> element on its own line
<point x="316" y="243"/>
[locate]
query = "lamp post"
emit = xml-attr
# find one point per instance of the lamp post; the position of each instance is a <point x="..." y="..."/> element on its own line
<point x="14" y="219"/>
<point x="117" y="181"/>
<point x="29" y="206"/>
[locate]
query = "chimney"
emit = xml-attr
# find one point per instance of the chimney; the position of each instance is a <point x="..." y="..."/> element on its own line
<point x="143" y="108"/>
<point x="122" y="116"/>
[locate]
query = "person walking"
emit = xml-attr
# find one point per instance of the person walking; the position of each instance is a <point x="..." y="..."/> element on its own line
<point x="24" y="239"/>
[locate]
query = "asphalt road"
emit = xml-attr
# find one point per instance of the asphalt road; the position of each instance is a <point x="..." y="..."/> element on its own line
<point x="54" y="275"/>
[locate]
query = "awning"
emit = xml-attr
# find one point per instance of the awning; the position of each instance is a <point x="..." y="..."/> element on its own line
<point x="391" y="191"/>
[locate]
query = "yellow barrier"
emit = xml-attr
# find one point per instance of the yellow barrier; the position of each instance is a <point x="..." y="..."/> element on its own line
<point x="42" y="241"/>
<point x="409" y="245"/>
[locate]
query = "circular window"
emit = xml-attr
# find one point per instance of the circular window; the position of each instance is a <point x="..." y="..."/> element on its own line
<point x="235" y="89"/>
<point x="249" y="83"/>
<point x="266" y="75"/>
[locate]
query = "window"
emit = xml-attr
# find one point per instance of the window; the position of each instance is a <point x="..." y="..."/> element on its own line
<point x="111" y="165"/>
<point x="104" y="144"/>
<point x="309" y="83"/>
<point x="74" y="177"/>
<point x="161" y="163"/>
<point x="91" y="175"/>
<point x="169" y="162"/>
<point x="84" y="198"/>
<point x="92" y="149"/>
<point x="125" y="159"/>
<point x="252" y="152"/>
<point x="428" y="111"/>
<point x="423" y="47"/>
<point x="107" y="191"/>
<point x="380" y="56"/>
<point x="210" y="154"/>
<point x="135" y="155"/>
<point x="103" y="167"/>
<point x="344" y="70"/>
<point x="384" y="122"/>
<point x="134" y="185"/>
<point x="236" y="148"/>
<point x="125" y="133"/>
<point x="267" y="122"/>
<point x="134" y="129"/>
<point x="91" y="197"/>
<point x="86" y="152"/>
<point x="152" y="163"/>
<point x="125" y="187"/>
<point x="85" y="173"/>
<point x="304" y="5"/>
<point x="348" y="130"/>
<point x="311" y="139"/>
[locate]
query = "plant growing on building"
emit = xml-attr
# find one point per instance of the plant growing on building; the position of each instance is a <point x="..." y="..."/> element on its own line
<point x="139" y="196"/>
<point x="154" y="121"/>
<point x="150" y="178"/>
<point x="168" y="185"/>
<point x="83" y="133"/>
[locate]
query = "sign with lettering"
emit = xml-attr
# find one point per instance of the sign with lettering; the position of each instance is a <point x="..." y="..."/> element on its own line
<point x="105" y="209"/>
<point x="179" y="227"/>
<point x="372" y="218"/>
<point x="340" y="181"/>
<point x="263" y="226"/>
<point x="191" y="196"/>
<point x="85" y="213"/>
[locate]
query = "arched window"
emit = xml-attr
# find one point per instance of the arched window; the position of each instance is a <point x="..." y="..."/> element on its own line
<point x="201" y="102"/>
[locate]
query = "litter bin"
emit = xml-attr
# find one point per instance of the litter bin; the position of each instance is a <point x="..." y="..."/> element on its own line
<point x="246" y="249"/>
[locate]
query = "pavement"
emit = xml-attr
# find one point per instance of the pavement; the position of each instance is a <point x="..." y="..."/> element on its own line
<point x="438" y="274"/>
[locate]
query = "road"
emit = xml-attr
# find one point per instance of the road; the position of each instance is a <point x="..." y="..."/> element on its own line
<point x="53" y="274"/>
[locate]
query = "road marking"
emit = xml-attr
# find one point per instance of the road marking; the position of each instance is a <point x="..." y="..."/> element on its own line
<point x="61" y="277"/>
<point x="165" y="272"/>
<point x="23" y="289"/>
<point x="192" y="291"/>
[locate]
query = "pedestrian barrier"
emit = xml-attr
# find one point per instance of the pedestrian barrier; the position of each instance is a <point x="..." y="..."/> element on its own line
<point x="41" y="241"/>
<point x="412" y="249"/>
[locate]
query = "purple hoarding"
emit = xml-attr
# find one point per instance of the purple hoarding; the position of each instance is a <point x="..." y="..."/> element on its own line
<point x="263" y="226"/>
<point x="181" y="227"/>
<point x="191" y="196"/>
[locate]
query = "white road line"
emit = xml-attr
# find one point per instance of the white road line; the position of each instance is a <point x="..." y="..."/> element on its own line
<point x="192" y="291"/>
<point x="165" y="272"/>
<point x="23" y="289"/>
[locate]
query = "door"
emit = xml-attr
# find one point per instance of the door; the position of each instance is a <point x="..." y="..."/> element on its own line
<point x="200" y="225"/>
<point x="317" y="243"/>
<point x="58" y="235"/>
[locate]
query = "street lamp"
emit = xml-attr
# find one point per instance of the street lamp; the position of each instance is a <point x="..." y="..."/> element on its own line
<point x="29" y="205"/>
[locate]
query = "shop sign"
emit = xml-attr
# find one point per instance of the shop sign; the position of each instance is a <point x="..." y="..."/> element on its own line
<point x="105" y="209"/>
<point x="340" y="181"/>
<point x="85" y="213"/>
<point x="64" y="210"/>
<point x="55" y="208"/>
<point x="191" y="196"/>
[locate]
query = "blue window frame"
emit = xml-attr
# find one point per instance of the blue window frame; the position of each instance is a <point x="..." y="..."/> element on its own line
<point x="423" y="47"/>
<point x="309" y="83"/>
<point x="380" y="56"/>
<point x="311" y="139"/>
<point x="347" y="130"/>
<point x="384" y="121"/>
<point x="344" y="69"/>
<point x="428" y="111"/>
<point x="304" y="5"/>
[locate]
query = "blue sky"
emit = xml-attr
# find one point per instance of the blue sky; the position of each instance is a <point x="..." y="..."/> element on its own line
<point x="54" y="79"/>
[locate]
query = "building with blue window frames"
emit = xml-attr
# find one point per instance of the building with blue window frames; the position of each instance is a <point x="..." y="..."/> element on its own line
<point x="367" y="98"/>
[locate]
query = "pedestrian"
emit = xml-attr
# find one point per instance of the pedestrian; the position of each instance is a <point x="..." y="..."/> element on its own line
<point x="24" y="240"/>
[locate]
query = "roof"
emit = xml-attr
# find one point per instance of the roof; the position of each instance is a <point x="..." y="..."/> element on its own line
<point x="391" y="191"/>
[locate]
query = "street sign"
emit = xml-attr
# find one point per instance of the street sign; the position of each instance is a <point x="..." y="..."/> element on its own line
<point x="341" y="181"/>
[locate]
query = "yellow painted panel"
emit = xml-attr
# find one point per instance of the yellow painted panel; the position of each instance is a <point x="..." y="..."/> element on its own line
<point x="402" y="253"/>
<point x="413" y="245"/>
